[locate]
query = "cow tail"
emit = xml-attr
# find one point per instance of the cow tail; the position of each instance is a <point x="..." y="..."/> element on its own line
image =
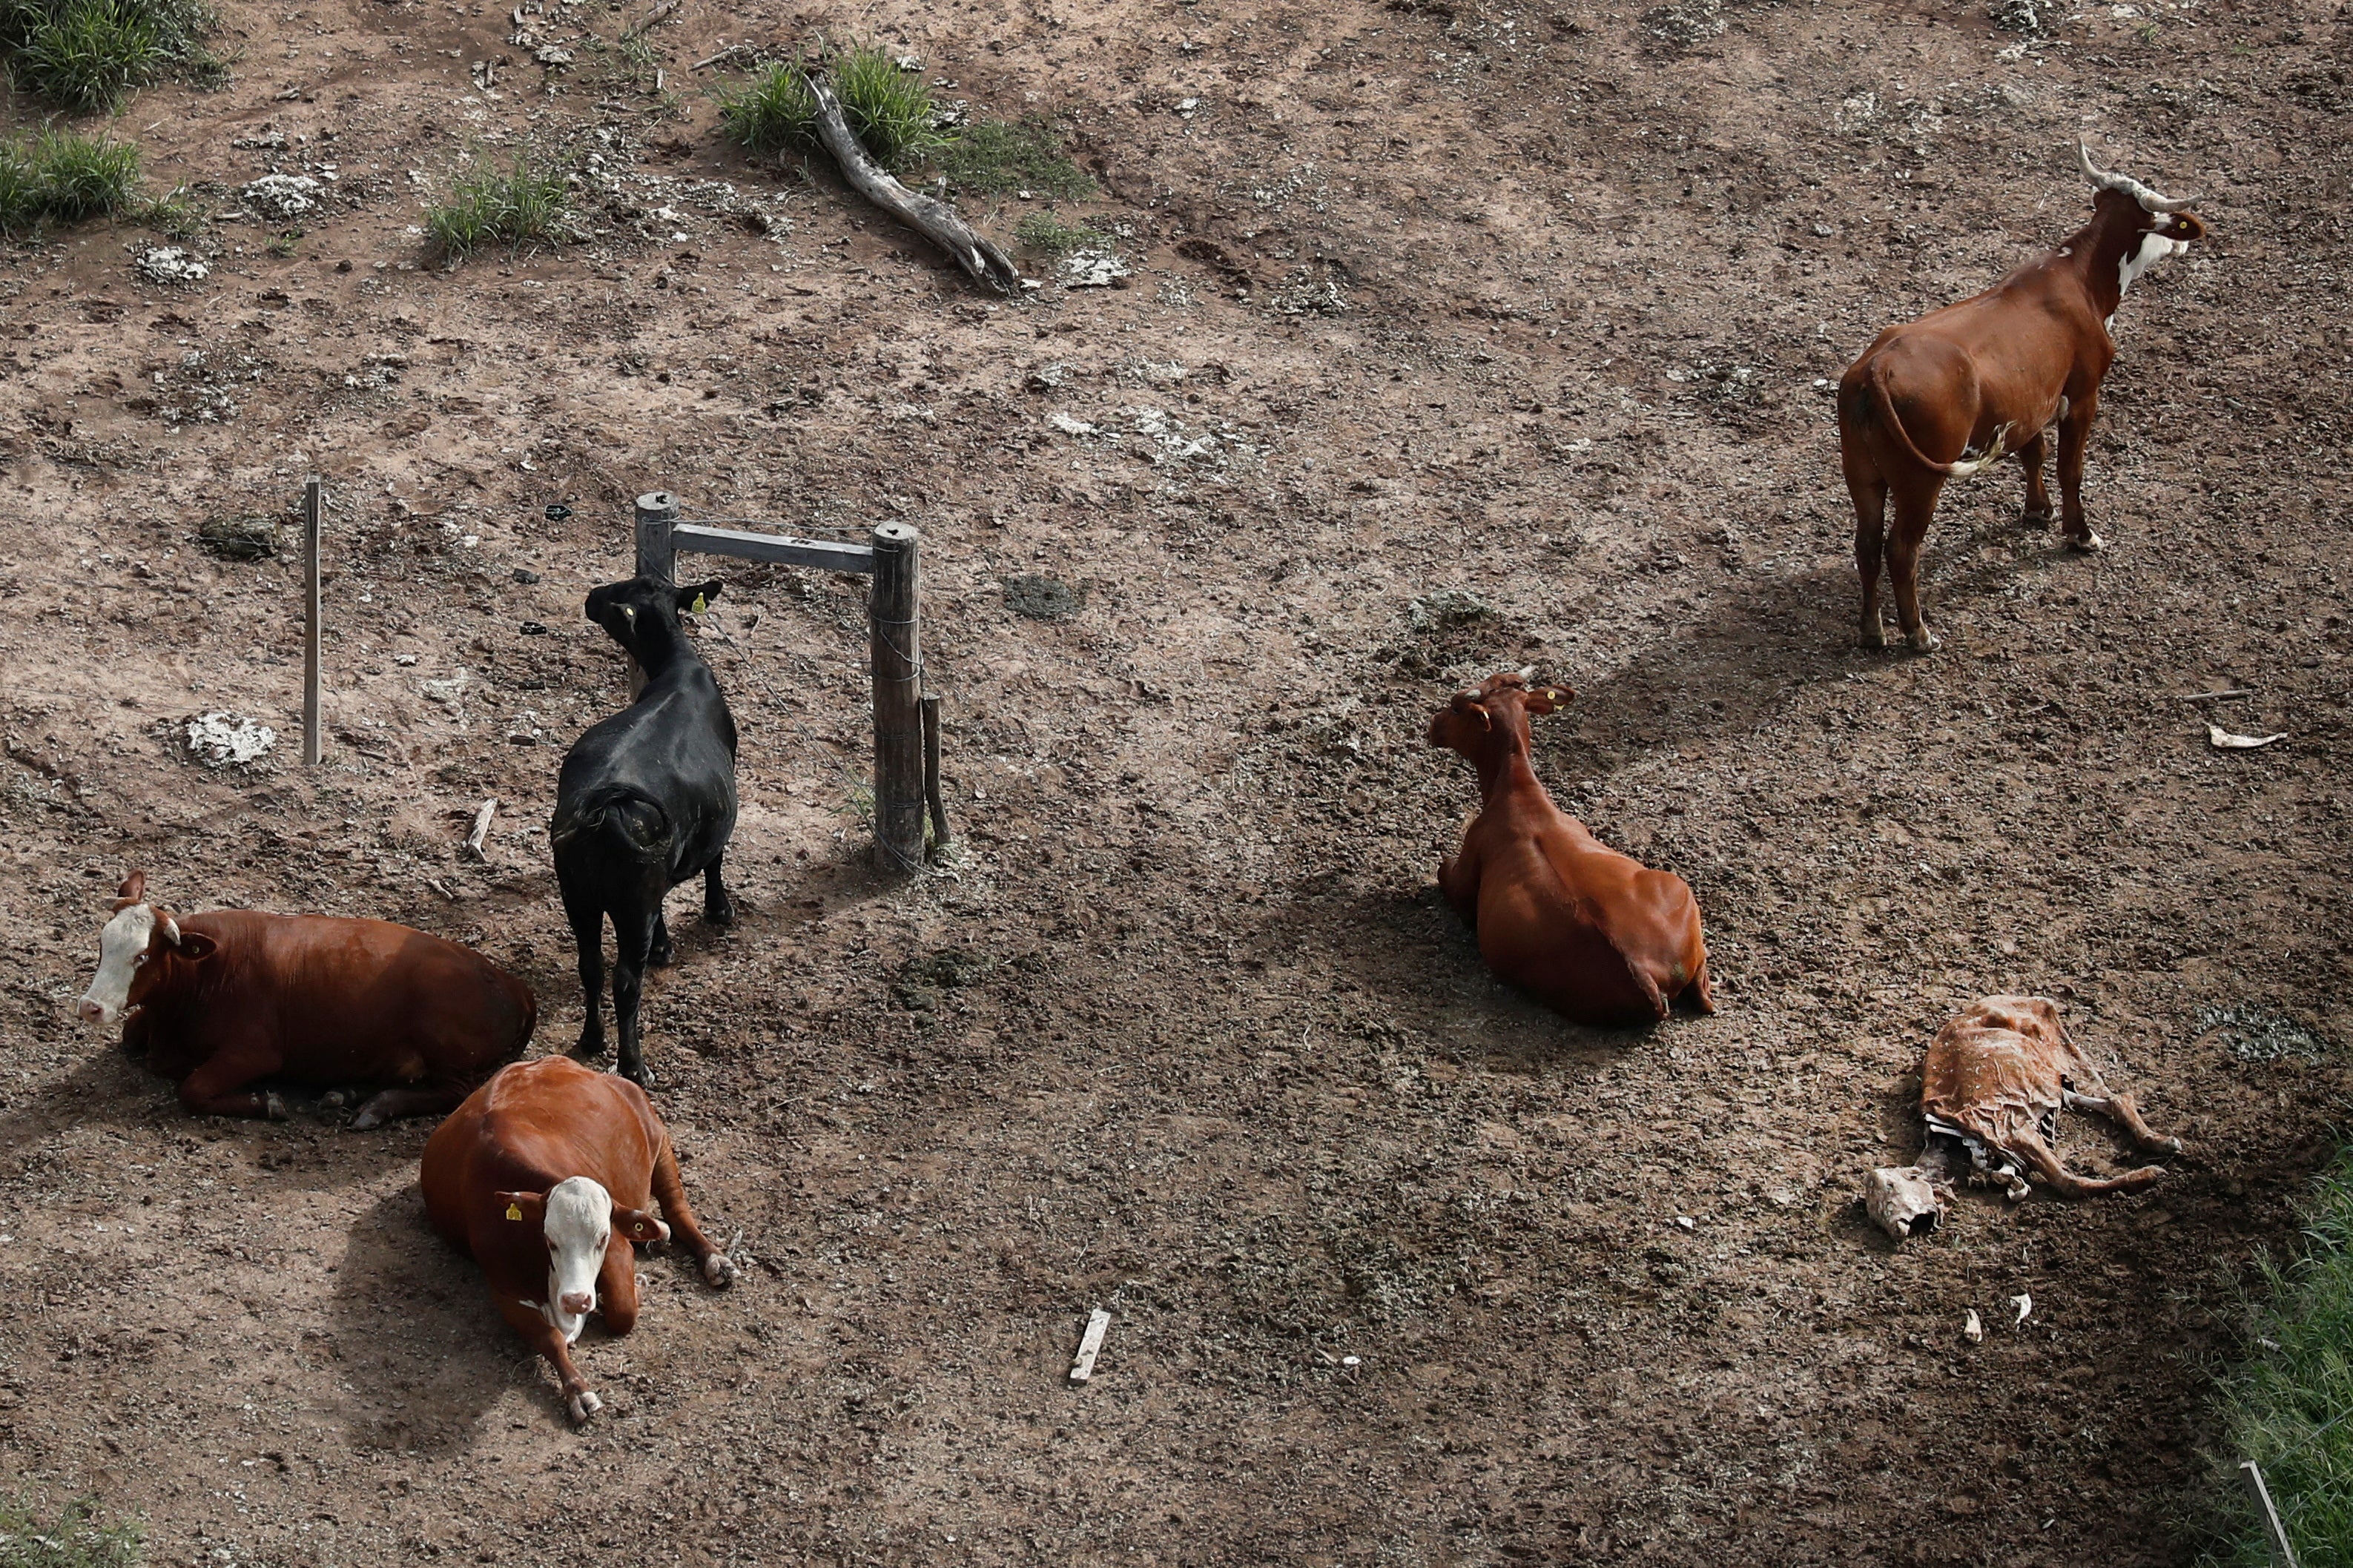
<point x="635" y="827"/>
<point x="1884" y="406"/>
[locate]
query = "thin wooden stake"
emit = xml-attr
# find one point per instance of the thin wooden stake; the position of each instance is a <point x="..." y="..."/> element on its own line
<point x="895" y="615"/>
<point x="1082" y="1366"/>
<point x="657" y="555"/>
<point x="2275" y="1533"/>
<point x="314" y="503"/>
<point x="931" y="775"/>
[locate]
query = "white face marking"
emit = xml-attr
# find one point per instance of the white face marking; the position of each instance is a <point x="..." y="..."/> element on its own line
<point x="2154" y="248"/>
<point x="121" y="948"/>
<point x="578" y="1225"/>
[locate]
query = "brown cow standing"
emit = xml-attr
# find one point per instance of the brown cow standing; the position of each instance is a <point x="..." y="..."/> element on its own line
<point x="545" y="1176"/>
<point x="1993" y="374"/>
<point x="1995" y="1081"/>
<point x="222" y="999"/>
<point x="1600" y="936"/>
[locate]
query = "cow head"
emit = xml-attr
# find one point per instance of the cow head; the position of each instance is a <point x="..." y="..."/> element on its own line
<point x="1476" y="722"/>
<point x="642" y="613"/>
<point x="135" y="947"/>
<point x="577" y="1217"/>
<point x="2155" y="226"/>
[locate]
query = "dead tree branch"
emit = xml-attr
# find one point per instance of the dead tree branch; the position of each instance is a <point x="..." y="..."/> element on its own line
<point x="935" y="219"/>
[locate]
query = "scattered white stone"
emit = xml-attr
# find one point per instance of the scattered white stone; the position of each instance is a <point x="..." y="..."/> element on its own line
<point x="445" y="690"/>
<point x="1093" y="270"/>
<point x="222" y="739"/>
<point x="1059" y="420"/>
<point x="170" y="264"/>
<point x="282" y="195"/>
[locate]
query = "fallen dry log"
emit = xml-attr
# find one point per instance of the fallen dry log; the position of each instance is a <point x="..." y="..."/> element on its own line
<point x="927" y="215"/>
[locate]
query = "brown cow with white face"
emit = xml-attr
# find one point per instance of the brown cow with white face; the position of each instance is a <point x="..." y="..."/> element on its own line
<point x="219" y="1001"/>
<point x="1992" y="375"/>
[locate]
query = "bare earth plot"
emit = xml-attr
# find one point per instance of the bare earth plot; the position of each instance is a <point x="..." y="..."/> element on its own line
<point x="1532" y="304"/>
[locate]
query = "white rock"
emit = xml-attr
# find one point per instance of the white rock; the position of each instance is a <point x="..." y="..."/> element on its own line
<point x="222" y="739"/>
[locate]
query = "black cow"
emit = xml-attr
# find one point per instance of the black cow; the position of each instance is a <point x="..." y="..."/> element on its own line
<point x="646" y="800"/>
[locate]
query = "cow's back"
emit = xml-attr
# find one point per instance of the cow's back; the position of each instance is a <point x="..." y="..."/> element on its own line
<point x="533" y="1124"/>
<point x="357" y="1000"/>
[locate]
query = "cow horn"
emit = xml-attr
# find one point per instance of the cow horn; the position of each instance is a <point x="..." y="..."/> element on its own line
<point x="2150" y="200"/>
<point x="171" y="931"/>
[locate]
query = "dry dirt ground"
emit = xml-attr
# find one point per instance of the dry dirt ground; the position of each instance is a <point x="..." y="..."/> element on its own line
<point x="1533" y="303"/>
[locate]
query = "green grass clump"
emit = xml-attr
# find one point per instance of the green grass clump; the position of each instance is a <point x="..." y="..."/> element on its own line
<point x="2290" y="1409"/>
<point x="63" y="177"/>
<point x="994" y="157"/>
<point x="772" y="113"/>
<point x="520" y="205"/>
<point x="88" y="56"/>
<point x="889" y="109"/>
<point x="71" y="1540"/>
<point x="1045" y="231"/>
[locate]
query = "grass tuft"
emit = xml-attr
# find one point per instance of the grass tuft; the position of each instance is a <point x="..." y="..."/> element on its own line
<point x="1048" y="232"/>
<point x="2290" y="1408"/>
<point x="772" y="113"/>
<point x="88" y="56"/>
<point x="63" y="177"/>
<point x="524" y="204"/>
<point x="995" y="157"/>
<point x="71" y="1540"/>
<point x="889" y="109"/>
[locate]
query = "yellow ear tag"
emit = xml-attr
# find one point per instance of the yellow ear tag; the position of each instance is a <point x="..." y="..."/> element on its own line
<point x="515" y="1211"/>
<point x="697" y="608"/>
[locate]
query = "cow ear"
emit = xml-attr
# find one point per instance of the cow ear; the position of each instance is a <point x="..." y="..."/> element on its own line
<point x="1547" y="698"/>
<point x="638" y="1226"/>
<point x="695" y="595"/>
<point x="195" y="947"/>
<point x="1470" y="707"/>
<point x="523" y="1208"/>
<point x="134" y="890"/>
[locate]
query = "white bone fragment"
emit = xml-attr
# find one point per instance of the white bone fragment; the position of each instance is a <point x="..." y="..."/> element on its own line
<point x="1902" y="1200"/>
<point x="2223" y="740"/>
<point x="2025" y="1304"/>
<point x="1974" y="1328"/>
<point x="1090" y="1342"/>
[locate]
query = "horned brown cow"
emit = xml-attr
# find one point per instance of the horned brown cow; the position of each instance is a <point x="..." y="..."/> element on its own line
<point x="1993" y="375"/>
<point x="545" y="1176"/>
<point x="222" y="1000"/>
<point x="1596" y="934"/>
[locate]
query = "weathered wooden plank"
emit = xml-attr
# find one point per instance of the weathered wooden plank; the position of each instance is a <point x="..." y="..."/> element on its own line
<point x="825" y="554"/>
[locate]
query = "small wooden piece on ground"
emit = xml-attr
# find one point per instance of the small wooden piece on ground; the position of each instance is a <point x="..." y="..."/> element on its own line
<point x="1090" y="1343"/>
<point x="314" y="503"/>
<point x="933" y="218"/>
<point x="658" y="12"/>
<point x="2274" y="1532"/>
<point x="931" y="775"/>
<point x="729" y="53"/>
<point x="473" y="848"/>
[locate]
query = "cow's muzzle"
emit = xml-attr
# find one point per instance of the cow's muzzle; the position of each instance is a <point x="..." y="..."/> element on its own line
<point x="578" y="1303"/>
<point x="94" y="1011"/>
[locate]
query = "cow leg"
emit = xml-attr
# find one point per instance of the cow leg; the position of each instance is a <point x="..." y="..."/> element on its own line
<point x="1458" y="879"/>
<point x="2031" y="1147"/>
<point x="393" y="1104"/>
<point x="217" y="1089"/>
<point x="1702" y="995"/>
<point x="717" y="906"/>
<point x="670" y="1194"/>
<point x="2037" y="497"/>
<point x="617" y="1287"/>
<point x="2075" y="445"/>
<point x="1913" y="510"/>
<point x="2120" y="1110"/>
<point x="633" y="934"/>
<point x="588" y="919"/>
<point x="541" y="1335"/>
<point x="1870" y="494"/>
<point x="662" y="954"/>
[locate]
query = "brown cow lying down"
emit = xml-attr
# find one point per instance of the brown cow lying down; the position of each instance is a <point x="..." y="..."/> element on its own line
<point x="544" y="1177"/>
<point x="220" y="1000"/>
<point x="1602" y="937"/>
<point x="1994" y="1083"/>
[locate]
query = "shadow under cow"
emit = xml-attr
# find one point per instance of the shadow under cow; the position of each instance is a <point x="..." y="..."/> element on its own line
<point x="421" y="1351"/>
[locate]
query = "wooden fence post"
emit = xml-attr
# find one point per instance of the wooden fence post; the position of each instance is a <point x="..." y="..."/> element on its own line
<point x="314" y="503"/>
<point x="657" y="555"/>
<point x="895" y="615"/>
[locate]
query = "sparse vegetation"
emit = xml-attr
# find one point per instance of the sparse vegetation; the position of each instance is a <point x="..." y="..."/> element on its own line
<point x="2286" y="1408"/>
<point x="71" y="1540"/>
<point x="889" y="109"/>
<point x="520" y="205"/>
<point x="88" y="56"/>
<point x="995" y="157"/>
<point x="60" y="177"/>
<point x="1048" y="231"/>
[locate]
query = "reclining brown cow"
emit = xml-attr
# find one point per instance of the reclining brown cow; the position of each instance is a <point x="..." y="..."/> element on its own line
<point x="545" y="1176"/>
<point x="1993" y="375"/>
<point x="218" y="1001"/>
<point x="1600" y="936"/>
<point x="1992" y="1088"/>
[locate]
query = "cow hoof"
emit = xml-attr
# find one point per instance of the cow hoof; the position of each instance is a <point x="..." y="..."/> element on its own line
<point x="661" y="957"/>
<point x="273" y="1107"/>
<point x="720" y="1270"/>
<point x="365" y="1119"/>
<point x="719" y="914"/>
<point x="585" y="1404"/>
<point x="2088" y="543"/>
<point x="1874" y="635"/>
<point x="590" y="1047"/>
<point x="636" y="1073"/>
<point x="2032" y="518"/>
<point x="1923" y="641"/>
<point x="334" y="1099"/>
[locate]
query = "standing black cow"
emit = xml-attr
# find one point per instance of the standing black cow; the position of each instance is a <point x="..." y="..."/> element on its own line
<point x="646" y="800"/>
